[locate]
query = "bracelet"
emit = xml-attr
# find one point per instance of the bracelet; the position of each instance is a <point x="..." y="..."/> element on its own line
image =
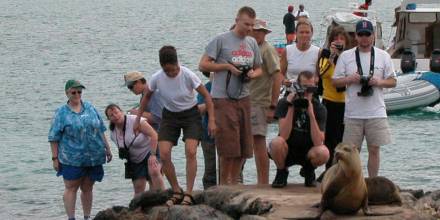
<point x="54" y="158"/>
<point x="272" y="107"/>
<point x="153" y="152"/>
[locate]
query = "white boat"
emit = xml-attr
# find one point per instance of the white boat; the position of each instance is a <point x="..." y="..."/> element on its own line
<point x="411" y="90"/>
<point x="347" y="19"/>
<point x="416" y="30"/>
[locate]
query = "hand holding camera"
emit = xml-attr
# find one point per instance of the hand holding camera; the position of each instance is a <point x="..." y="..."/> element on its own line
<point x="303" y="95"/>
<point x="353" y="78"/>
<point x="243" y="71"/>
<point x="367" y="89"/>
<point x="336" y="48"/>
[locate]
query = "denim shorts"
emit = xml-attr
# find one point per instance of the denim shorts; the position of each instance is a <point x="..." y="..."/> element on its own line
<point x="139" y="170"/>
<point x="95" y="173"/>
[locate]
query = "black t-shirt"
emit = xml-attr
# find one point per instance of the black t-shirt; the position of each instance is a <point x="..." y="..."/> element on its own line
<point x="289" y="22"/>
<point x="301" y="122"/>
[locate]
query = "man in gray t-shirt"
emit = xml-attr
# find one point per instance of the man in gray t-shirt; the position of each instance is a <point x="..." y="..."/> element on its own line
<point x="226" y="55"/>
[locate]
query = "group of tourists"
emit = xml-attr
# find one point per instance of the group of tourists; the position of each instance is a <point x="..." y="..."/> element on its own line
<point x="230" y="115"/>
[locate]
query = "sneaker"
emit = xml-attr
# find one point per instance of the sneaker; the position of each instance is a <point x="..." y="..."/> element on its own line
<point x="280" y="180"/>
<point x="309" y="179"/>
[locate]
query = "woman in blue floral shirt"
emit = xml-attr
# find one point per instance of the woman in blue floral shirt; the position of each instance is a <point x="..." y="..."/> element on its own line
<point x="79" y="148"/>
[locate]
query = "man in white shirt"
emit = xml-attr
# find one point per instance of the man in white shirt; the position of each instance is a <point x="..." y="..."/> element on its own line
<point x="365" y="70"/>
<point x="301" y="13"/>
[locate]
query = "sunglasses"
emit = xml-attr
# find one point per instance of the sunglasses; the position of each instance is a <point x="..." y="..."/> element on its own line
<point x="74" y="92"/>
<point x="364" y="34"/>
<point x="131" y="85"/>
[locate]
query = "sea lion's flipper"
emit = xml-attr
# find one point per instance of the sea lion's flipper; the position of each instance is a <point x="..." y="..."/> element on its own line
<point x="329" y="194"/>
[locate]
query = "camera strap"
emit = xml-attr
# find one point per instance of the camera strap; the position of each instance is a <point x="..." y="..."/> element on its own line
<point x="123" y="135"/>
<point x="358" y="62"/>
<point x="228" y="80"/>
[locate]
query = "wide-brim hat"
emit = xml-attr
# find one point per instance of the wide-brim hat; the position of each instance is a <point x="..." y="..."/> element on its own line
<point x="261" y="24"/>
<point x="132" y="76"/>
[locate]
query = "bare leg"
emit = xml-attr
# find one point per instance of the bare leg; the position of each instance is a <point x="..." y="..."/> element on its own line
<point x="225" y="170"/>
<point x="318" y="155"/>
<point x="373" y="160"/>
<point x="87" y="195"/>
<point x="139" y="185"/>
<point x="156" y="181"/>
<point x="235" y="169"/>
<point x="261" y="159"/>
<point x="191" y="163"/>
<point x="278" y="152"/>
<point x="168" y="166"/>
<point x="70" y="189"/>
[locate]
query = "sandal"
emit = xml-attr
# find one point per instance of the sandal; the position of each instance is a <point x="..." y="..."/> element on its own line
<point x="186" y="202"/>
<point x="176" y="198"/>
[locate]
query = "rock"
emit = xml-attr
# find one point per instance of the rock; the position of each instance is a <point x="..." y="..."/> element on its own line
<point x="252" y="217"/>
<point x="120" y="213"/>
<point x="150" y="199"/>
<point x="418" y="193"/>
<point x="259" y="202"/>
<point x="408" y="199"/>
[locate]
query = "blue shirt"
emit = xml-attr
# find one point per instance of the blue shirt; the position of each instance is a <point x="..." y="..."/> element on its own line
<point x="201" y="100"/>
<point x="79" y="136"/>
<point x="155" y="107"/>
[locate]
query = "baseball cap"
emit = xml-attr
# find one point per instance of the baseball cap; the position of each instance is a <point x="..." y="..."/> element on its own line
<point x="71" y="83"/>
<point x="290" y="8"/>
<point x="261" y="24"/>
<point x="132" y="76"/>
<point x="364" y="26"/>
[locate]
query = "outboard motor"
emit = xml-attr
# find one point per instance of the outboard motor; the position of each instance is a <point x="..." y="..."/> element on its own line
<point x="434" y="64"/>
<point x="408" y="61"/>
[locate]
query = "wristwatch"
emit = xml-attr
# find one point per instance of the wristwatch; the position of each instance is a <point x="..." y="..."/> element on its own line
<point x="289" y="103"/>
<point x="272" y="107"/>
<point x="54" y="158"/>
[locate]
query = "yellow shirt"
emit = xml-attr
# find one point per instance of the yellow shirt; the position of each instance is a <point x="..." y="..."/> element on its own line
<point x="330" y="92"/>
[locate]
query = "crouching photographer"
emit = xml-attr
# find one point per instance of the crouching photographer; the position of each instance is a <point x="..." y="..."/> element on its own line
<point x="300" y="140"/>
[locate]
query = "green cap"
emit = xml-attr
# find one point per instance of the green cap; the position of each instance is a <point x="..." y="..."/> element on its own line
<point x="71" y="83"/>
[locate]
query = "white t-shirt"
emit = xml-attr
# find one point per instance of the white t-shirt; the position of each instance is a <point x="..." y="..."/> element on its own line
<point x="298" y="61"/>
<point x="178" y="93"/>
<point x="361" y="107"/>
<point x="139" y="147"/>
<point x="302" y="13"/>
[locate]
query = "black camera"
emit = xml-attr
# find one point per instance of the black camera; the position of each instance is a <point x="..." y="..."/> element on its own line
<point x="340" y="47"/>
<point x="244" y="78"/>
<point x="300" y="102"/>
<point x="366" y="89"/>
<point x="123" y="153"/>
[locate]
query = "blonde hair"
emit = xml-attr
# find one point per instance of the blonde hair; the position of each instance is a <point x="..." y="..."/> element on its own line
<point x="304" y="21"/>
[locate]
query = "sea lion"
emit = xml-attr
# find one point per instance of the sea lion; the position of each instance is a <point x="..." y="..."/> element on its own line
<point x="382" y="191"/>
<point x="343" y="187"/>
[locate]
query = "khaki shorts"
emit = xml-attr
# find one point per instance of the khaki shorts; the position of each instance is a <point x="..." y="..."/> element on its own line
<point x="258" y="120"/>
<point x="376" y="131"/>
<point x="233" y="137"/>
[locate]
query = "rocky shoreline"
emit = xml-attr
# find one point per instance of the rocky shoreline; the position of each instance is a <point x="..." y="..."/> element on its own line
<point x="252" y="202"/>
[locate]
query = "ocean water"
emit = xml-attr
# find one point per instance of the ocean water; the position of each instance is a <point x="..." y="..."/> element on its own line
<point x="43" y="43"/>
